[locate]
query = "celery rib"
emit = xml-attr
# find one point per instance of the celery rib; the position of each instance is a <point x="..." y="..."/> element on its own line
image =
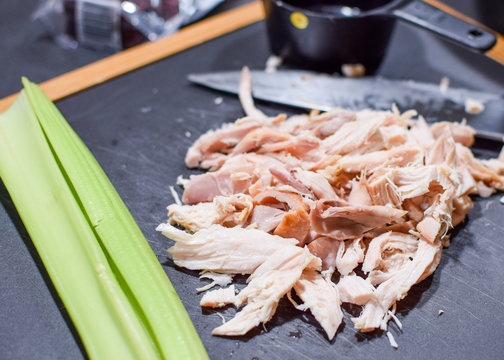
<point x="66" y="245"/>
<point x="131" y="286"/>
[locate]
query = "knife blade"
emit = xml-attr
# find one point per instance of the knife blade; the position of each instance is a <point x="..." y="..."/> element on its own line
<point x="310" y="90"/>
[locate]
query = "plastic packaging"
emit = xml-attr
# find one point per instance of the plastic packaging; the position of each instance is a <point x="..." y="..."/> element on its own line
<point x="116" y="24"/>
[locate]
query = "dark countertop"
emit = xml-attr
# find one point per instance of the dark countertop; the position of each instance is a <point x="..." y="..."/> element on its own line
<point x="132" y="136"/>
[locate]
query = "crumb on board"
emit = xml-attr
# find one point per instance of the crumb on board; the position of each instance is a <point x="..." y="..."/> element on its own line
<point x="221" y="316"/>
<point x="188" y="134"/>
<point x="353" y="70"/>
<point x="473" y="106"/>
<point x="175" y="196"/>
<point x="217" y="279"/>
<point x="181" y="181"/>
<point x="440" y="312"/>
<point x="218" y="100"/>
<point x="444" y="84"/>
<point x="392" y="340"/>
<point x="396" y="320"/>
<point x="272" y="64"/>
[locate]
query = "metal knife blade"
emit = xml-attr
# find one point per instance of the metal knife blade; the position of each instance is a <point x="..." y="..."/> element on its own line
<point x="310" y="90"/>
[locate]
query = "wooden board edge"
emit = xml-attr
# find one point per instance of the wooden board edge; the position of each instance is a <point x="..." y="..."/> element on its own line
<point x="144" y="54"/>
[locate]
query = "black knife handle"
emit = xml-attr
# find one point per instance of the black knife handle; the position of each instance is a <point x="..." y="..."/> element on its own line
<point x="439" y="22"/>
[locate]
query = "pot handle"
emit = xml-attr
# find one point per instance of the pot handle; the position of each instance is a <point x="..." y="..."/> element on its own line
<point x="429" y="17"/>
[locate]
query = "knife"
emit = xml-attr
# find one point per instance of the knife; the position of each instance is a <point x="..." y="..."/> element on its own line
<point x="310" y="90"/>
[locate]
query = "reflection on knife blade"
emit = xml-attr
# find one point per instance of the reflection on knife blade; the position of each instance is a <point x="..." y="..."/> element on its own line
<point x="310" y="90"/>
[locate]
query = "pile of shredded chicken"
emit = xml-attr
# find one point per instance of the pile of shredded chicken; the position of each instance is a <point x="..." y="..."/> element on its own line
<point x="335" y="207"/>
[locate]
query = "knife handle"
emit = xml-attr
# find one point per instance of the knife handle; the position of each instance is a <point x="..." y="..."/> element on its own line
<point x="451" y="27"/>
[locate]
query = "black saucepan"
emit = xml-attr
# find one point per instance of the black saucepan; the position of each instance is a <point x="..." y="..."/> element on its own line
<point x="324" y="34"/>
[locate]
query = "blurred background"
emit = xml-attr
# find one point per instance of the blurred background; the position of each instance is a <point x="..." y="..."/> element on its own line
<point x="28" y="49"/>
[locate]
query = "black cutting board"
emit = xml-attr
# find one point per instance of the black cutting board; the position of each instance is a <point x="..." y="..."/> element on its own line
<point x="139" y="127"/>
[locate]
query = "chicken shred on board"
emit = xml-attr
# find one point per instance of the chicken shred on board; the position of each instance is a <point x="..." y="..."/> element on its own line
<point x="334" y="207"/>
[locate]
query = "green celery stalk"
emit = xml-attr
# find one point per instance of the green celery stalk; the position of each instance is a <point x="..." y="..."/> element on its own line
<point x="137" y="271"/>
<point x="101" y="312"/>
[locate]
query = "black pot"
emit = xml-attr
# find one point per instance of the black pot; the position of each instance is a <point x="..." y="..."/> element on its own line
<point x="323" y="34"/>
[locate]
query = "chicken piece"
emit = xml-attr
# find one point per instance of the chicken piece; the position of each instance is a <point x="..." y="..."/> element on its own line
<point x="443" y="153"/>
<point x="324" y="162"/>
<point x="219" y="297"/>
<point x="429" y="228"/>
<point x="326" y="124"/>
<point x="295" y="224"/>
<point x="460" y="132"/>
<point x="355" y="290"/>
<point x="218" y="141"/>
<point x="317" y="117"/>
<point x="461" y="206"/>
<point x="223" y="250"/>
<point x="265" y="218"/>
<point x="259" y="137"/>
<point x="420" y="135"/>
<point x="326" y="249"/>
<point x="294" y="123"/>
<point x="283" y="200"/>
<point x="438" y="217"/>
<point x="385" y="245"/>
<point x="298" y="146"/>
<point x="245" y="95"/>
<point x="484" y="190"/>
<point x="429" y="270"/>
<point x="404" y="227"/>
<point x="396" y="287"/>
<point x="237" y="175"/>
<point x="321" y="296"/>
<point x="467" y="185"/>
<point x="217" y="279"/>
<point x="393" y="135"/>
<point x="213" y="161"/>
<point x="349" y="255"/>
<point x="341" y="221"/>
<point x="337" y="177"/>
<point x="267" y="285"/>
<point x="211" y="149"/>
<point x="495" y="165"/>
<point x="478" y="170"/>
<point x="286" y="177"/>
<point x="414" y="181"/>
<point x="404" y="119"/>
<point x="369" y="162"/>
<point x="353" y="70"/>
<point x="383" y="191"/>
<point x="225" y="210"/>
<point x="357" y="137"/>
<point x="359" y="195"/>
<point x="316" y="183"/>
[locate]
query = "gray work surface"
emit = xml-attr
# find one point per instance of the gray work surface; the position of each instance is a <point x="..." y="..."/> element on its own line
<point x="139" y="126"/>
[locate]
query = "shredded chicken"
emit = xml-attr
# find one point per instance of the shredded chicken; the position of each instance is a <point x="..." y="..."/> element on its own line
<point x="334" y="207"/>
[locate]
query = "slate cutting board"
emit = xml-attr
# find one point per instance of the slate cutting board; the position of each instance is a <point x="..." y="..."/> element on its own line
<point x="139" y="127"/>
